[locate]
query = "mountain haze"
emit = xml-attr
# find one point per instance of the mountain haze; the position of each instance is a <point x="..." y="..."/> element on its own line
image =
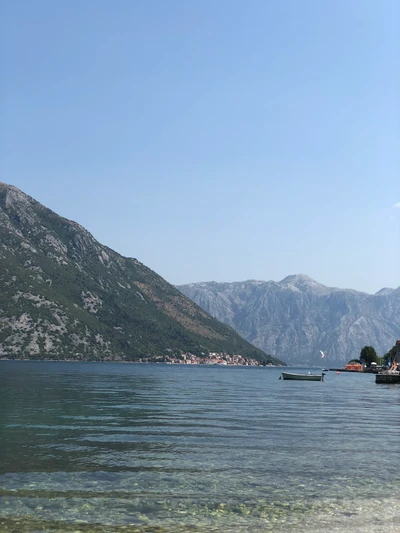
<point x="294" y="318"/>
<point x="64" y="295"/>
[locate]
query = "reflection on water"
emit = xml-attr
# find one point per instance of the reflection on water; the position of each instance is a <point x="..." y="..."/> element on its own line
<point x="163" y="448"/>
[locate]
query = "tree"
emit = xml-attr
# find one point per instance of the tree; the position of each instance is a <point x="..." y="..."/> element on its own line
<point x="388" y="357"/>
<point x="368" y="355"/>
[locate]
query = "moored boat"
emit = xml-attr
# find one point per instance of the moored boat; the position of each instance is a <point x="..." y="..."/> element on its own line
<point x="303" y="377"/>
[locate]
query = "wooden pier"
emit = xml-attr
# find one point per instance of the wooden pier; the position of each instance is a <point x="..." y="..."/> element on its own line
<point x="388" y="378"/>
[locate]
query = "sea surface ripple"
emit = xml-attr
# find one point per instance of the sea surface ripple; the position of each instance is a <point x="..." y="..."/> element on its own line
<point x="102" y="448"/>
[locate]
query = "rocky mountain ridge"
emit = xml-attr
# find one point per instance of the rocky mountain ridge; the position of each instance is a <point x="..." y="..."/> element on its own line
<point x="66" y="296"/>
<point x="296" y="317"/>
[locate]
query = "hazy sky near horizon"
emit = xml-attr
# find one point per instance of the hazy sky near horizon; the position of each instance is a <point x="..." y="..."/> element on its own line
<point x="212" y="139"/>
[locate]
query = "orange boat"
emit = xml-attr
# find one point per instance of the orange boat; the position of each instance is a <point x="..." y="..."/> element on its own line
<point x="354" y="367"/>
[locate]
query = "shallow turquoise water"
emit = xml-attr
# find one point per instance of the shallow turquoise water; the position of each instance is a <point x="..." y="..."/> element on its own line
<point x="97" y="447"/>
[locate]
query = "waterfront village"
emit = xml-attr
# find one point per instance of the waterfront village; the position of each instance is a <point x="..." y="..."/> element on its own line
<point x="213" y="358"/>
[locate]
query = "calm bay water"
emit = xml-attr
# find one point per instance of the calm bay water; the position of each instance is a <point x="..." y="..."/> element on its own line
<point x="96" y="447"/>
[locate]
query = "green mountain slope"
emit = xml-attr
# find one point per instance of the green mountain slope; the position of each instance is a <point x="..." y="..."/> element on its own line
<point x="64" y="295"/>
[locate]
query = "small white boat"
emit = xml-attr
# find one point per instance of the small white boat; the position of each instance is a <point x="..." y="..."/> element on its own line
<point x="303" y="377"/>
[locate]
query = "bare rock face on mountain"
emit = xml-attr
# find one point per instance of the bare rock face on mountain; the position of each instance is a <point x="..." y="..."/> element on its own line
<point x="294" y="318"/>
<point x="64" y="295"/>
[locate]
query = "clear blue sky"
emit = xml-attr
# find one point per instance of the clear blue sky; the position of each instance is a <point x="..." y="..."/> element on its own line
<point x="212" y="139"/>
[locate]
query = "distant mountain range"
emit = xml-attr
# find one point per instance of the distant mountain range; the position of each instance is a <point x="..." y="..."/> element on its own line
<point x="294" y="318"/>
<point x="66" y="296"/>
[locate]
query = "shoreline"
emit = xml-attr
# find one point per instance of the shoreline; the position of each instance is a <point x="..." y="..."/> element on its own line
<point x="137" y="363"/>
